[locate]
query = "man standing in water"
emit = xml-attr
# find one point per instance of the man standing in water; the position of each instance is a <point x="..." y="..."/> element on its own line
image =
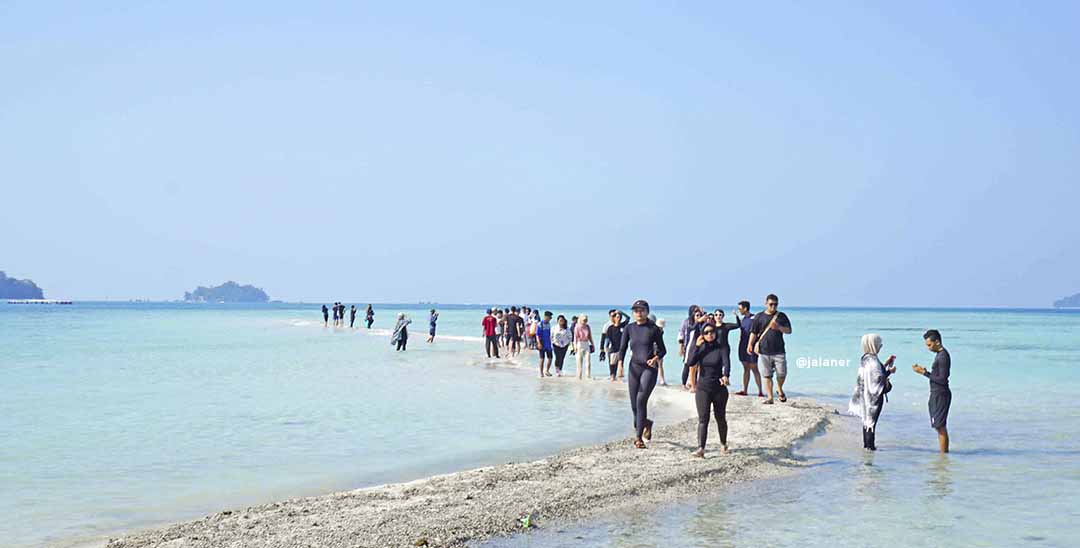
<point x="352" y="316"/>
<point x="432" y="320"/>
<point x="325" y="316"/>
<point x="769" y="327"/>
<point x="543" y="343"/>
<point x="645" y="341"/>
<point x="491" y="339"/>
<point x="940" y="394"/>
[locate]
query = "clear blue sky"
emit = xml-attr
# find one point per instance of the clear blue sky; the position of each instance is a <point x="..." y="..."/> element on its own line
<point x="835" y="153"/>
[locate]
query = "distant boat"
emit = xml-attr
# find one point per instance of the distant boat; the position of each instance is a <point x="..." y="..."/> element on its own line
<point x="38" y="301"/>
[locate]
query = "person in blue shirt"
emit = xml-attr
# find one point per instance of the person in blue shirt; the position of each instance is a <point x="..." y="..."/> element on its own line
<point x="543" y="344"/>
<point x="434" y="317"/>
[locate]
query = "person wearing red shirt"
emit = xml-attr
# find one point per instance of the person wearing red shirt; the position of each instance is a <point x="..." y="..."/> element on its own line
<point x="491" y="342"/>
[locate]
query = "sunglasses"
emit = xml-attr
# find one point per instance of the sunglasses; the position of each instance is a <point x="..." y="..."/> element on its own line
<point x="710" y="332"/>
<point x="771" y="304"/>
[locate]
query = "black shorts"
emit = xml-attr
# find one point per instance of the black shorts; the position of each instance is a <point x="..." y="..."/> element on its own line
<point x="515" y="339"/>
<point x="939" y="404"/>
<point x="432" y="331"/>
<point x="545" y="353"/>
<point x="745" y="356"/>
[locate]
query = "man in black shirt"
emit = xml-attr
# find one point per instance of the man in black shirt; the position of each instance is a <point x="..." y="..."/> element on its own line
<point x="940" y="394"/>
<point x="767" y="341"/>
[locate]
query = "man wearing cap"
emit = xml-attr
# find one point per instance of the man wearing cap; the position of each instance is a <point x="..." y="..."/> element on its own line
<point x="645" y="342"/>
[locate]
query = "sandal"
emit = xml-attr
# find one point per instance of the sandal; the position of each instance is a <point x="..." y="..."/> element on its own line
<point x="647" y="431"/>
<point x="741" y="393"/>
<point x="783" y="397"/>
<point x="639" y="444"/>
<point x="767" y="402"/>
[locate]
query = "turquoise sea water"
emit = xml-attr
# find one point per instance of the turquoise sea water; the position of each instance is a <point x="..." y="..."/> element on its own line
<point x="1012" y="478"/>
<point x="117" y="416"/>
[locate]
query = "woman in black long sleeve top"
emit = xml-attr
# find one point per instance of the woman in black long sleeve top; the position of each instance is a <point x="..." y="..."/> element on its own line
<point x="645" y="341"/>
<point x="713" y="364"/>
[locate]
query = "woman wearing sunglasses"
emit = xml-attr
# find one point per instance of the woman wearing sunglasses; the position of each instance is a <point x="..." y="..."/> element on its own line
<point x="716" y="319"/>
<point x="712" y="365"/>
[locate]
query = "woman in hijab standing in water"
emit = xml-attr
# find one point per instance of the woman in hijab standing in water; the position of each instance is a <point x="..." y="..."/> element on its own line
<point x="871" y="387"/>
<point x="401" y="332"/>
<point x="369" y="316"/>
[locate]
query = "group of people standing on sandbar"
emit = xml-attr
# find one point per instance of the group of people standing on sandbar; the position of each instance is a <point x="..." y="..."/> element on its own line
<point x="339" y="315"/>
<point x="706" y="358"/>
<point x="703" y="349"/>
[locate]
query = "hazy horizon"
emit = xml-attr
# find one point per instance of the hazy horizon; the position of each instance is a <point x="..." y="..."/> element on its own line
<point x="918" y="155"/>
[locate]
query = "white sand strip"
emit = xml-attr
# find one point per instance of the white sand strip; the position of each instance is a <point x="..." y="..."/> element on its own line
<point x="452" y="509"/>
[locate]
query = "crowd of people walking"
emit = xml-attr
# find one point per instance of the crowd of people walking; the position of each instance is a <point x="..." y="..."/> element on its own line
<point x="634" y="349"/>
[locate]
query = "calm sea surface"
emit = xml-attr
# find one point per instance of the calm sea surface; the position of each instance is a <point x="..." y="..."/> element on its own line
<point x="117" y="416"/>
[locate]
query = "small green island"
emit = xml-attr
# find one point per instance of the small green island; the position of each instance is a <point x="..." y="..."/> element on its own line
<point x="11" y="288"/>
<point x="1068" y="302"/>
<point x="228" y="292"/>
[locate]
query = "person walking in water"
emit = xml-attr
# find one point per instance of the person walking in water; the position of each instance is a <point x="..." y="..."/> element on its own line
<point x="543" y="343"/>
<point x="325" y="316"/>
<point x="369" y="316"/>
<point x="940" y="393"/>
<point x="352" y="317"/>
<point x="747" y="358"/>
<point x="711" y="370"/>
<point x="432" y="319"/>
<point x="645" y="342"/>
<point x="612" y="336"/>
<point x="767" y="341"/>
<point x="491" y="340"/>
<point x="871" y="387"/>
<point x="562" y="337"/>
<point x="401" y="332"/>
<point x="583" y="345"/>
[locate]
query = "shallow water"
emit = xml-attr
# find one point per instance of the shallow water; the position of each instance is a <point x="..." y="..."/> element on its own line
<point x="1012" y="479"/>
<point x="118" y="416"/>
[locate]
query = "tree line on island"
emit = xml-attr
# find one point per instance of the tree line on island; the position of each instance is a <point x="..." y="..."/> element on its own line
<point x="11" y="288"/>
<point x="228" y="292"/>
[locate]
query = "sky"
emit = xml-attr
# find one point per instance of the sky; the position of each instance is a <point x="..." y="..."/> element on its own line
<point x="837" y="154"/>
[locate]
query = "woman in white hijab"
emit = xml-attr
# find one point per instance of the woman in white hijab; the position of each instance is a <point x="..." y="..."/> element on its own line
<point x="872" y="385"/>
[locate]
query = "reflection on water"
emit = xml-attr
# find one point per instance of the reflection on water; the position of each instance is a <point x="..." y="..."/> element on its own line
<point x="939" y="480"/>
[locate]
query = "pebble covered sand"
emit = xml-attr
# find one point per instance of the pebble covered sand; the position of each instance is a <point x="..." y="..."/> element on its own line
<point x="453" y="509"/>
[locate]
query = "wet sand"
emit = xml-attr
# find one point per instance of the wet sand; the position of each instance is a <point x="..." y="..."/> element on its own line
<point x="453" y="509"/>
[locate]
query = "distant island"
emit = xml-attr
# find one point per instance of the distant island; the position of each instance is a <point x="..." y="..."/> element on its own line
<point x="228" y="292"/>
<point x="10" y="288"/>
<point x="1068" y="302"/>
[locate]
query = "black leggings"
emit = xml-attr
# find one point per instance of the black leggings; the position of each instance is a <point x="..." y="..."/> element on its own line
<point x="560" y="355"/>
<point x="642" y="380"/>
<point x="369" y="322"/>
<point x="491" y="345"/>
<point x="716" y="396"/>
<point x="402" y="342"/>
<point x="867" y="434"/>
<point x="613" y="366"/>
